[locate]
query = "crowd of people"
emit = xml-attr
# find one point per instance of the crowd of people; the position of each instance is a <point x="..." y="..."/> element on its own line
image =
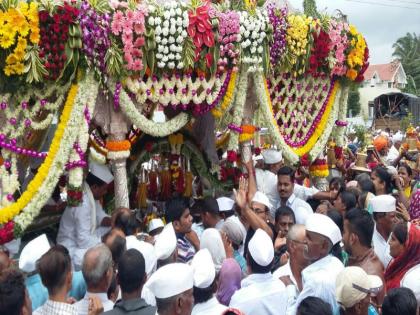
<point x="271" y="246"/>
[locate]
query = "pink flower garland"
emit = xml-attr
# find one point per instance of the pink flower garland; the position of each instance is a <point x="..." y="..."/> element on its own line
<point x="229" y="30"/>
<point x="131" y="25"/>
<point x="338" y="35"/>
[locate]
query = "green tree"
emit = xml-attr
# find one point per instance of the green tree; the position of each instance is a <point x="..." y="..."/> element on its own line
<point x="353" y="101"/>
<point x="309" y="8"/>
<point x="407" y="51"/>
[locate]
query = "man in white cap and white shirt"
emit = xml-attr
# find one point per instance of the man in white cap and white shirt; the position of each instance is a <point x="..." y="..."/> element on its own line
<point x="384" y="214"/>
<point x="319" y="277"/>
<point x="81" y="226"/>
<point x="172" y="286"/>
<point x="260" y="292"/>
<point x="394" y="152"/>
<point x="205" y="285"/>
<point x="155" y="227"/>
<point x="146" y="249"/>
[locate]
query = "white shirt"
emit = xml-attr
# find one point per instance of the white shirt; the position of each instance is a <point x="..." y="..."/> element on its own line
<point x="303" y="192"/>
<point x="83" y="305"/>
<point x="318" y="280"/>
<point x="260" y="294"/>
<point x="381" y="248"/>
<point x="211" y="307"/>
<point x="300" y="207"/>
<point x="285" y="271"/>
<point x="392" y="154"/>
<point x="55" y="308"/>
<point x="411" y="280"/>
<point x="75" y="231"/>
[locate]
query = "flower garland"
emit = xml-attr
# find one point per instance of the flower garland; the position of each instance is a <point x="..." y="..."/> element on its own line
<point x="321" y="50"/>
<point x="118" y="149"/>
<point x="357" y="57"/>
<point x="319" y="168"/>
<point x="9" y="212"/>
<point x="338" y="34"/>
<point x="229" y="35"/>
<point x="278" y="18"/>
<point x="97" y="156"/>
<point x="228" y="98"/>
<point x="19" y="22"/>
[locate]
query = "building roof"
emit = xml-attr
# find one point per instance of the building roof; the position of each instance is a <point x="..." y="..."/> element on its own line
<point x="385" y="71"/>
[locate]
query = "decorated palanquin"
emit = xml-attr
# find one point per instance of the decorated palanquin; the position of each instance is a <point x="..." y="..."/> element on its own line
<point x="87" y="77"/>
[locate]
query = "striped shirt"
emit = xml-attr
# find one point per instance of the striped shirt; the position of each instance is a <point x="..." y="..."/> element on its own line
<point x="186" y="251"/>
<point x="56" y="308"/>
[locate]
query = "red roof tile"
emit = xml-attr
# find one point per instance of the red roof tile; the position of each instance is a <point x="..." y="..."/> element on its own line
<point x="384" y="71"/>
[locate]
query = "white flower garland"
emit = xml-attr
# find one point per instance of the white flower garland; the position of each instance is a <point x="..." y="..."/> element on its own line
<point x="117" y="155"/>
<point x="97" y="156"/>
<point x="146" y="125"/>
<point x="86" y="91"/>
<point x="170" y="30"/>
<point x="342" y="113"/>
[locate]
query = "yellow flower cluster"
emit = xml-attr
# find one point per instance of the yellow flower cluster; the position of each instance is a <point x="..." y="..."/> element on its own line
<point x="15" y="26"/>
<point x="8" y="213"/>
<point x="227" y="99"/>
<point x="297" y="40"/>
<point x="356" y="57"/>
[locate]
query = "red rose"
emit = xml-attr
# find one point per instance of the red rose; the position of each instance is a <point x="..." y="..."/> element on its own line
<point x="232" y="156"/>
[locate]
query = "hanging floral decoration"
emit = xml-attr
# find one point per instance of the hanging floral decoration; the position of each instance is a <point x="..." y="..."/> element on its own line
<point x="319" y="168"/>
<point x="357" y="56"/>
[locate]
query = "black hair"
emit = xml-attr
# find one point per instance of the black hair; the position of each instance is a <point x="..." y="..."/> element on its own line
<point x="131" y="271"/>
<point x="285" y="211"/>
<point x="337" y="181"/>
<point x="367" y="185"/>
<point x="348" y="199"/>
<point x="175" y="207"/>
<point x="361" y="224"/>
<point x="210" y="205"/>
<point x="255" y="267"/>
<point x="12" y="292"/>
<point x="197" y="207"/>
<point x="287" y="171"/>
<point x="401" y="232"/>
<point x="163" y="305"/>
<point x="53" y="268"/>
<point x="336" y="216"/>
<point x="385" y="177"/>
<point x="408" y="168"/>
<point x="92" y="180"/>
<point x="400" y="301"/>
<point x="117" y="248"/>
<point x="205" y="294"/>
<point x="314" y="306"/>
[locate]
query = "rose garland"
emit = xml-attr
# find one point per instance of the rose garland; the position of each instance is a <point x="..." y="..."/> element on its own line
<point x="338" y="34"/>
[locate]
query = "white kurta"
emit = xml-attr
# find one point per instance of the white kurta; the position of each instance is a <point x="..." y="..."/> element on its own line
<point x="411" y="280"/>
<point x="285" y="271"/>
<point x="211" y="307"/>
<point x="83" y="305"/>
<point x="318" y="280"/>
<point x="260" y="294"/>
<point x="381" y="248"/>
<point x="300" y="207"/>
<point x="77" y="231"/>
<point x="392" y="155"/>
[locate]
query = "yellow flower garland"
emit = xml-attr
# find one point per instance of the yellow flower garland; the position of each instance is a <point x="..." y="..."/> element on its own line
<point x="227" y="99"/>
<point x="11" y="211"/>
<point x="321" y="126"/>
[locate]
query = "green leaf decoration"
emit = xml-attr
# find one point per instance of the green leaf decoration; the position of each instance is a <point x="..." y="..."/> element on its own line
<point x="188" y="49"/>
<point x="100" y="6"/>
<point x="114" y="60"/>
<point x="34" y="69"/>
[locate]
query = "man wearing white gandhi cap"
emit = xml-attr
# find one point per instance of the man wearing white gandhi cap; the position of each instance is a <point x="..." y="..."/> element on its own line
<point x="172" y="286"/>
<point x="384" y="214"/>
<point x="319" y="277"/>
<point x="261" y="293"/>
<point x="205" y="285"/>
<point x="81" y="226"/>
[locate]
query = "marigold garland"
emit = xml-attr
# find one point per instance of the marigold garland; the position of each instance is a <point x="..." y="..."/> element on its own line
<point x="11" y="211"/>
<point x="227" y="99"/>
<point x="123" y="145"/>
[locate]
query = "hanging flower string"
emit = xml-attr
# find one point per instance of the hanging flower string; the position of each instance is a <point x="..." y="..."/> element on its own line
<point x="278" y="19"/>
<point x="11" y="146"/>
<point x="341" y="123"/>
<point x="117" y="92"/>
<point x="80" y="163"/>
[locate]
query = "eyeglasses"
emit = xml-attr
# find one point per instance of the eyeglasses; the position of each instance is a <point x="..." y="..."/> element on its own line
<point x="258" y="210"/>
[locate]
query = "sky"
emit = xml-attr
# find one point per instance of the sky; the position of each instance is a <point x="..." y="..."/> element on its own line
<point x="381" y="25"/>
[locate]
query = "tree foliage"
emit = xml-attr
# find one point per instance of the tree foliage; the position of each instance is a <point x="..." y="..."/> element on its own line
<point x="353" y="101"/>
<point x="407" y="51"/>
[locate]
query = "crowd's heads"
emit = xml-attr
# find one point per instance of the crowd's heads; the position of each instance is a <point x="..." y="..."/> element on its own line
<point x="155" y="227"/>
<point x="178" y="212"/>
<point x="405" y="172"/>
<point x="261" y="252"/>
<point x="285" y="181"/>
<point x="384" y="211"/>
<point x="337" y="184"/>
<point x="146" y="249"/>
<point x="382" y="180"/>
<point x="296" y="238"/>
<point x="211" y="239"/>
<point x="321" y="235"/>
<point x="210" y="214"/>
<point x="273" y="159"/>
<point x="234" y="233"/>
<point x="172" y="285"/>
<point x="97" y="267"/>
<point x="126" y="221"/>
<point x="354" y="288"/>
<point x="284" y="220"/>
<point x="345" y="201"/>
<point x="314" y="306"/>
<point x="131" y="271"/>
<point x="14" y="298"/>
<point x="204" y="276"/>
<point x="55" y="269"/>
<point x="32" y="252"/>
<point x="165" y="246"/>
<point x="358" y="229"/>
<point x="115" y="241"/>
<point x="400" y="301"/>
<point x="98" y="178"/>
<point x="381" y="145"/>
<point x="5" y="261"/>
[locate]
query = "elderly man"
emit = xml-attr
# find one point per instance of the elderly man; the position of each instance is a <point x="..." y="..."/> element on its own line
<point x="297" y="262"/>
<point x="205" y="285"/>
<point x="384" y="214"/>
<point x="172" y="286"/>
<point x="319" y="277"/>
<point x="80" y="226"/>
<point x="97" y="271"/>
<point x="260" y="292"/>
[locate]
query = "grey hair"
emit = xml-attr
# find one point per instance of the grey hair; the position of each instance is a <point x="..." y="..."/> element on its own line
<point x="295" y="230"/>
<point x="96" y="262"/>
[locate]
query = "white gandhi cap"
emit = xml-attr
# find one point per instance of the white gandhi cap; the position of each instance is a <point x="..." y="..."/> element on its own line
<point x="203" y="269"/>
<point x="383" y="203"/>
<point x="261" y="248"/>
<point x="171" y="280"/>
<point x="321" y="224"/>
<point x="225" y="204"/>
<point x="165" y="243"/>
<point x="32" y="252"/>
<point x="146" y="249"/>
<point x="155" y="224"/>
<point x="101" y="171"/>
<point x="272" y="156"/>
<point x="262" y="198"/>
